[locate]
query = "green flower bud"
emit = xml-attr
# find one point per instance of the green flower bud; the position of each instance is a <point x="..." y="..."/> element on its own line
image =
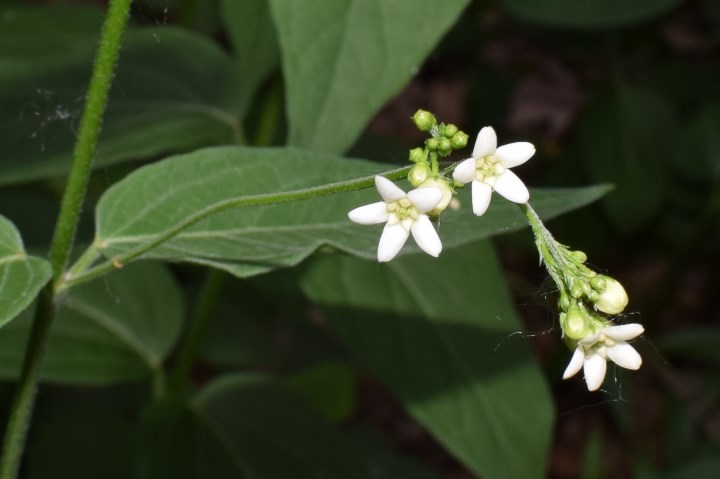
<point x="575" y="324"/>
<point x="418" y="173"/>
<point x="613" y="297"/>
<point x="564" y="302"/>
<point x="450" y="130"/>
<point x="598" y="283"/>
<point x="447" y="194"/>
<point x="579" y="256"/>
<point x="459" y="140"/>
<point x="576" y="291"/>
<point x="424" y="120"/>
<point x="417" y="155"/>
<point x="432" y="143"/>
<point x="444" y="146"/>
<point x="586" y="289"/>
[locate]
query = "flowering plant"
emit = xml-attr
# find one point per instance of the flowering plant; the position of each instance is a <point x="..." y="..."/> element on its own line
<point x="214" y="249"/>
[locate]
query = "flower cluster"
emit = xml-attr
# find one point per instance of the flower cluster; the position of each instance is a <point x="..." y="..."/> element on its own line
<point x="410" y="213"/>
<point x="587" y="300"/>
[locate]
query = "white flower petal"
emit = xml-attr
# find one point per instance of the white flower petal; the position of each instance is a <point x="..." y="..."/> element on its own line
<point x="486" y="143"/>
<point x="465" y="172"/>
<point x="624" y="332"/>
<point x="392" y="240"/>
<point x="624" y="355"/>
<point x="590" y="339"/>
<point x="388" y="190"/>
<point x="512" y="187"/>
<point x="576" y="363"/>
<point x="426" y="237"/>
<point x="481" y="194"/>
<point x="594" y="368"/>
<point x="515" y="154"/>
<point x="425" y="198"/>
<point x="371" y="214"/>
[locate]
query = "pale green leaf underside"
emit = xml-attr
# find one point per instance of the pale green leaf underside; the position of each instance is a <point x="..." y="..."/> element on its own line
<point x="173" y="91"/>
<point x="439" y="334"/>
<point x="115" y="329"/>
<point x="248" y="241"/>
<point x="21" y="276"/>
<point x="342" y="60"/>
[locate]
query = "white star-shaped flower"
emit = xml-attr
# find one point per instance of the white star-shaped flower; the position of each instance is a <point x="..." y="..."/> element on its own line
<point x="488" y="170"/>
<point x="593" y="351"/>
<point x="403" y="213"/>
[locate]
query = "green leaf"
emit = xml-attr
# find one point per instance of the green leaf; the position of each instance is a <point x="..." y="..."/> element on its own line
<point x="587" y="14"/>
<point x="437" y="332"/>
<point x="82" y="434"/>
<point x="173" y="91"/>
<point x="627" y="137"/>
<point x="116" y="329"/>
<point x="343" y="60"/>
<point x="697" y="343"/>
<point x="383" y="461"/>
<point x="252" y="36"/>
<point x="248" y="241"/>
<point x="697" y="154"/>
<point x="703" y="467"/>
<point x="21" y="276"/>
<point x="243" y="427"/>
<point x="328" y="387"/>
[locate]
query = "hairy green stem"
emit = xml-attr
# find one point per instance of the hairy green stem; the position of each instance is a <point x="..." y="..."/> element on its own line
<point x="23" y="402"/>
<point x="546" y="246"/>
<point x="90" y="123"/>
<point x="220" y="206"/>
<point x="66" y="226"/>
<point x="195" y="334"/>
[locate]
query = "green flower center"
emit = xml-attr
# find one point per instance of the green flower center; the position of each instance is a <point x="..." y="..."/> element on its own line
<point x="401" y="210"/>
<point x="488" y="167"/>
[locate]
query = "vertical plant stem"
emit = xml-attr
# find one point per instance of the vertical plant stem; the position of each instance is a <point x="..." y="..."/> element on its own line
<point x="73" y="198"/>
<point x="23" y="402"/>
<point x="90" y="123"/>
<point x="197" y="327"/>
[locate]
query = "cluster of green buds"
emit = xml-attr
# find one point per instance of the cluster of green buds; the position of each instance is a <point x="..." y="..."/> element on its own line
<point x="443" y="140"/>
<point x="585" y="295"/>
<point x="587" y="302"/>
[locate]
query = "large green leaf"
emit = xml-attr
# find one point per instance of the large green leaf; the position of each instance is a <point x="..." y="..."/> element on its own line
<point x="383" y="461"/>
<point x="83" y="433"/>
<point x="21" y="276"/>
<point x="115" y="329"/>
<point x="249" y="241"/>
<point x="699" y="343"/>
<point x="173" y="91"/>
<point x="253" y="39"/>
<point x="587" y="14"/>
<point x="342" y="60"/>
<point x="243" y="427"/>
<point x="697" y="153"/>
<point x="627" y="137"/>
<point x="438" y="334"/>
